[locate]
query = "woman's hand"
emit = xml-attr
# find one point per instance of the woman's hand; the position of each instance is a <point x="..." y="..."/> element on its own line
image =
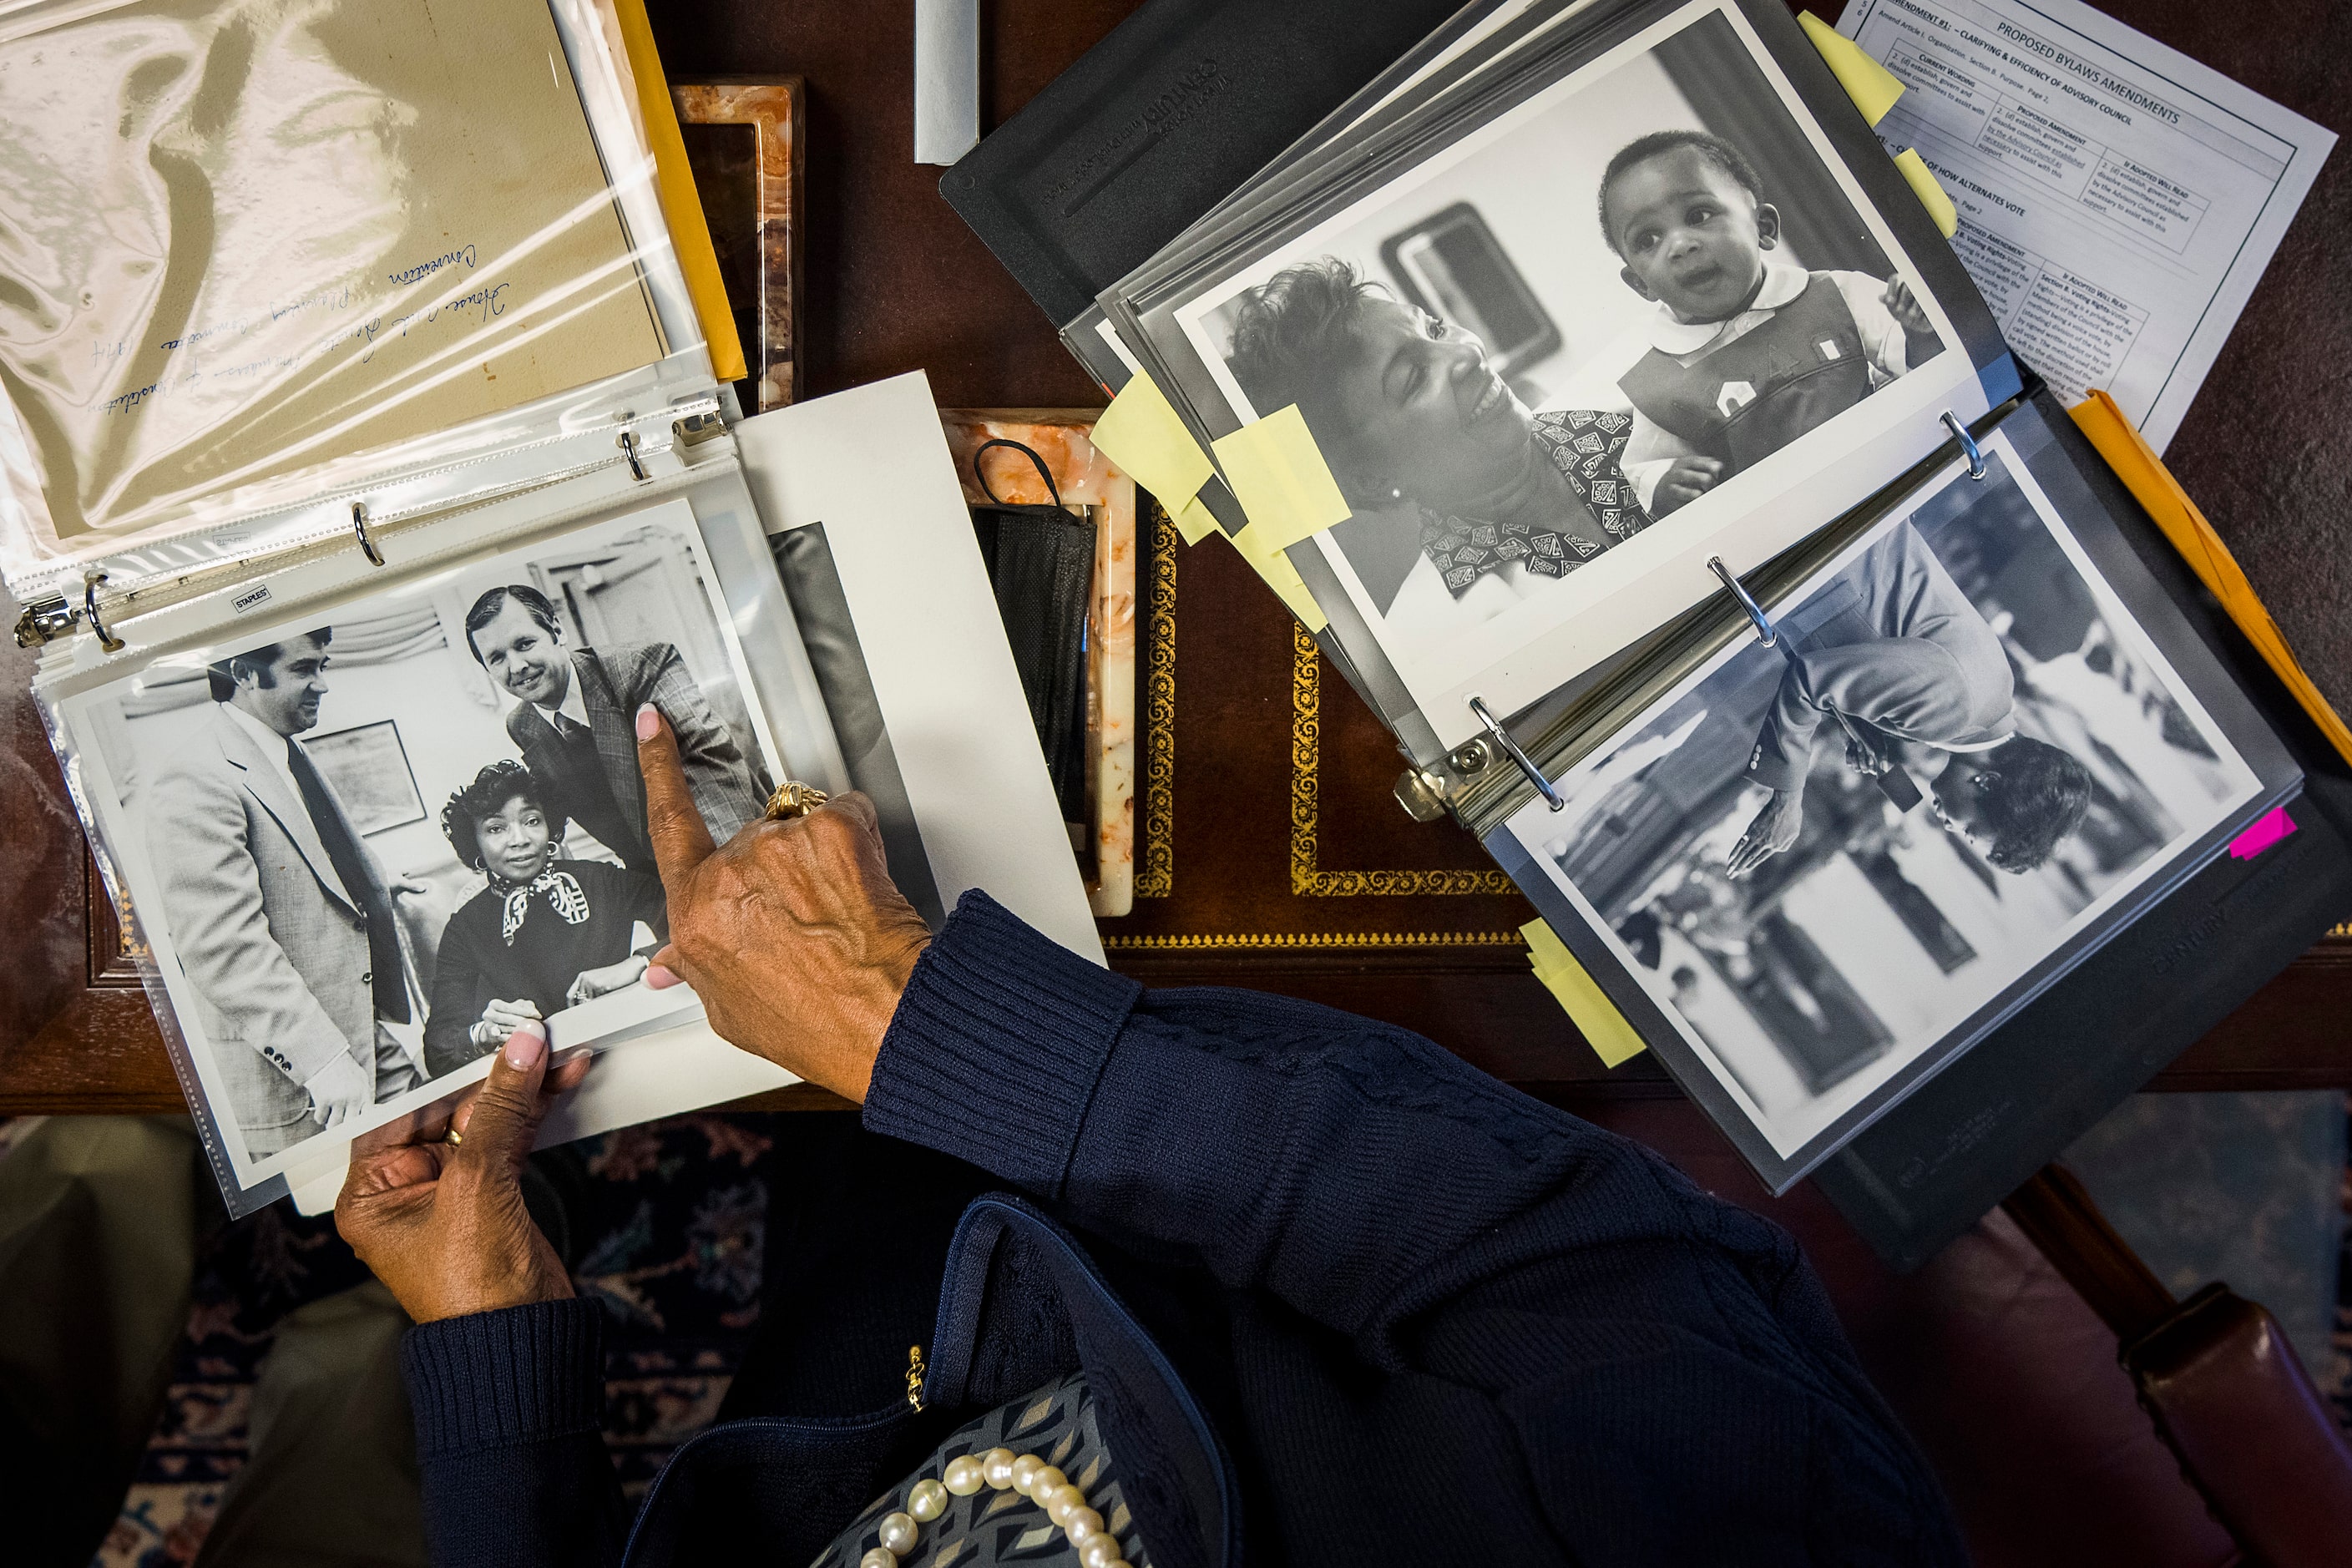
<point x="595" y="983"/>
<point x="444" y="1227"/>
<point x="501" y="1020"/>
<point x="793" y="934"/>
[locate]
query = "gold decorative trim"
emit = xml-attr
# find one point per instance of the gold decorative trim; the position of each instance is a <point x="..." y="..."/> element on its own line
<point x="1311" y="940"/>
<point x="1155" y="869"/>
<point x="125" y="928"/>
<point x="1308" y="879"/>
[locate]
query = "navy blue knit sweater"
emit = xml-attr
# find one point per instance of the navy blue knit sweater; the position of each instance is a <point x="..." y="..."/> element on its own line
<point x="1343" y="1299"/>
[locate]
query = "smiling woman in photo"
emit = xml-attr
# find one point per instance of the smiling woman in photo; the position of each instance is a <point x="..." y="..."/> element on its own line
<point x="546" y="934"/>
<point x="1408" y="412"/>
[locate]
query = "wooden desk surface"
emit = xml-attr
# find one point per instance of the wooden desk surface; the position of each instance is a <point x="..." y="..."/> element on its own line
<point x="1273" y="856"/>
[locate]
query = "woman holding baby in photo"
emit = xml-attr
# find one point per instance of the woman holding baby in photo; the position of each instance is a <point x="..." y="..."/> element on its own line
<point x="545" y="934"/>
<point x="1746" y="352"/>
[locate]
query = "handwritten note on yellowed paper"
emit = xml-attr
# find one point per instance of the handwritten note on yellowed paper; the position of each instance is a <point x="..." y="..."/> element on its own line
<point x="247" y="237"/>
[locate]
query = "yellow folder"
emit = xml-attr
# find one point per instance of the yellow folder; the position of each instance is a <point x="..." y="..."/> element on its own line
<point x="2145" y="475"/>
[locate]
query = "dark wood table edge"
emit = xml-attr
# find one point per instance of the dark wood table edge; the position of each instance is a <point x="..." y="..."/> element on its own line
<point x="2294" y="1034"/>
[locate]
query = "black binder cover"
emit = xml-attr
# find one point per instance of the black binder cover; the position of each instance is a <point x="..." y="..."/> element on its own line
<point x="1930" y="1167"/>
<point x="1158" y="123"/>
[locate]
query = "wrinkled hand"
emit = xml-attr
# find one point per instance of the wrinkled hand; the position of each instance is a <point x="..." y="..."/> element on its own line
<point x="1688" y="480"/>
<point x="592" y="984"/>
<point x="445" y="1228"/>
<point x="338" y="1091"/>
<point x="1905" y="308"/>
<point x="793" y="934"/>
<point x="1774" y="830"/>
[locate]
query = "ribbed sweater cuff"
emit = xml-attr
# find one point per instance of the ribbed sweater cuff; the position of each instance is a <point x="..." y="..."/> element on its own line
<point x="994" y="1052"/>
<point x="507" y="1378"/>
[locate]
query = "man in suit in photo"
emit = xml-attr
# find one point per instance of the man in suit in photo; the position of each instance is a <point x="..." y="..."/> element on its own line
<point x="575" y="725"/>
<point x="1917" y="678"/>
<point x="283" y="919"/>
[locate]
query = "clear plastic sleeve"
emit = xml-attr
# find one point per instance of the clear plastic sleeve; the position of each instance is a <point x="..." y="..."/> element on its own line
<point x="297" y="797"/>
<point x="259" y="256"/>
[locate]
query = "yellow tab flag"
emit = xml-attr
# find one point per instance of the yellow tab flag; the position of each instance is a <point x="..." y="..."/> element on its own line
<point x="1141" y="432"/>
<point x="1596" y="1017"/>
<point x="1929" y="190"/>
<point x="1194" y="522"/>
<point x="2145" y="475"/>
<point x="1281" y="576"/>
<point x="689" y="230"/>
<point x="1279" y="475"/>
<point x="1871" y="85"/>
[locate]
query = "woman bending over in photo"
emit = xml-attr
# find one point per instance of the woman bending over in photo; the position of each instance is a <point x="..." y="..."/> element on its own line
<point x="1407" y="409"/>
<point x="546" y="934"/>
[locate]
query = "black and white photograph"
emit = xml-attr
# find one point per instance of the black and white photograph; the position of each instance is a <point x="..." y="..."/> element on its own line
<point x="1821" y="857"/>
<point x="367" y="844"/>
<point x="1602" y="315"/>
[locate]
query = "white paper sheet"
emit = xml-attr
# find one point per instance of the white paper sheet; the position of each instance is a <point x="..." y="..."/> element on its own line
<point x="2117" y="200"/>
<point x="872" y="465"/>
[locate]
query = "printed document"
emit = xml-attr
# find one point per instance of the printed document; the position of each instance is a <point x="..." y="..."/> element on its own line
<point x="2117" y="200"/>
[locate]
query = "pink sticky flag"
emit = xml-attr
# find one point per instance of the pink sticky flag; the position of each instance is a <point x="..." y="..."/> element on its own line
<point x="2264" y="833"/>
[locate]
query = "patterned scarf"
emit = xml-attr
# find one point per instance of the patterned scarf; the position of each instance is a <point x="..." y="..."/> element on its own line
<point x="563" y="893"/>
<point x="1584" y="446"/>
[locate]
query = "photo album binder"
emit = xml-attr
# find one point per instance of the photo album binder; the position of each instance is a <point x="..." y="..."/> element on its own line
<point x="363" y="469"/>
<point x="1611" y="406"/>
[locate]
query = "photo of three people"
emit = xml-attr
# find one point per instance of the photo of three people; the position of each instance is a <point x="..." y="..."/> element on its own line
<point x="1575" y="332"/>
<point x="378" y="845"/>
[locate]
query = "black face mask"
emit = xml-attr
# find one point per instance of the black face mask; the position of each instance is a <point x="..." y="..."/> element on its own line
<point x="1041" y="560"/>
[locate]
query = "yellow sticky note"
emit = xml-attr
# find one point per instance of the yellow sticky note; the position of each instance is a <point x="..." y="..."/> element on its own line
<point x="1141" y="432"/>
<point x="1596" y="1017"/>
<point x="1194" y="521"/>
<point x="689" y="230"/>
<point x="1871" y="85"/>
<point x="2145" y="475"/>
<point x="1281" y="576"/>
<point x="1929" y="190"/>
<point x="1279" y="475"/>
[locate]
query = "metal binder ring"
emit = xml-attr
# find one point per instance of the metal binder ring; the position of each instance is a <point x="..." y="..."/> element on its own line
<point x="636" y="463"/>
<point x="367" y="540"/>
<point x="1967" y="444"/>
<point x="1501" y="738"/>
<point x="1766" y="632"/>
<point x="105" y="640"/>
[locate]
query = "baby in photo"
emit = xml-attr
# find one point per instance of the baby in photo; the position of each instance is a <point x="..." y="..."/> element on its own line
<point x="1748" y="351"/>
<point x="547" y="933"/>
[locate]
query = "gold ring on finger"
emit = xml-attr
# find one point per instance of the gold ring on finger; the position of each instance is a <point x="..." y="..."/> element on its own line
<point x="791" y="799"/>
<point x="453" y="1138"/>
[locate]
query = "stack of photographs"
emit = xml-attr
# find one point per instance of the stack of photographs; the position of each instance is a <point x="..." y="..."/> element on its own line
<point x="1711" y="556"/>
<point x="362" y="480"/>
<point x="1560" y="336"/>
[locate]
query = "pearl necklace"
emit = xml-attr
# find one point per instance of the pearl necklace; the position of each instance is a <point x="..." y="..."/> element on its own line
<point x="1002" y="1469"/>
